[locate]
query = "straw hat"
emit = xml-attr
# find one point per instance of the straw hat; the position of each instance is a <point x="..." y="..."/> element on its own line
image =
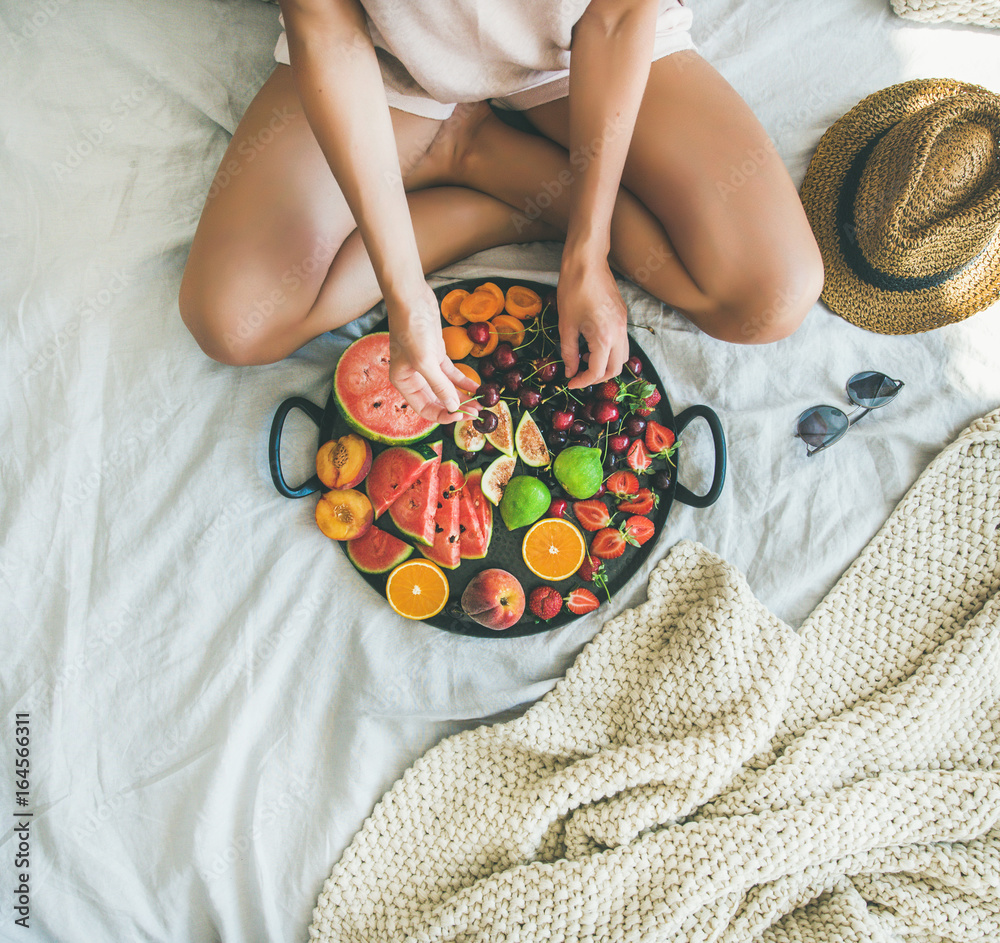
<point x="903" y="196"/>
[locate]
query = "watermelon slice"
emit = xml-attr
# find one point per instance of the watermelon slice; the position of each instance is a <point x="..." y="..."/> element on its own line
<point x="368" y="401"/>
<point x="482" y="507"/>
<point x="376" y="551"/>
<point x="472" y="540"/>
<point x="413" y="511"/>
<point x="446" y="549"/>
<point x="394" y="470"/>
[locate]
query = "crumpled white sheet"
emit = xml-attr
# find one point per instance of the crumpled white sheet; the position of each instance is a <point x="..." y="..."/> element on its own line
<point x="216" y="700"/>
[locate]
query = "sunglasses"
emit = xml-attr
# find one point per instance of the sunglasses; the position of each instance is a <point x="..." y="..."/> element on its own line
<point x="821" y="426"/>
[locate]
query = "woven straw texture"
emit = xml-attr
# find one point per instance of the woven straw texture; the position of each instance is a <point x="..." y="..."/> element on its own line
<point x="704" y="773"/>
<point x="976" y="12"/>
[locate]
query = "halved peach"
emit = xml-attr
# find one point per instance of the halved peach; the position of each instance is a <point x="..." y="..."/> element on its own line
<point x="343" y="514"/>
<point x="344" y="462"/>
<point x="509" y="329"/>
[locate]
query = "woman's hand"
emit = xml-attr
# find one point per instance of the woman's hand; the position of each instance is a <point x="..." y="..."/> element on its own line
<point x="590" y="305"/>
<point x="419" y="367"/>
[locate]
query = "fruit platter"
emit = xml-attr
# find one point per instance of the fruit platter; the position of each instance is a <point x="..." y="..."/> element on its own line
<point x="521" y="520"/>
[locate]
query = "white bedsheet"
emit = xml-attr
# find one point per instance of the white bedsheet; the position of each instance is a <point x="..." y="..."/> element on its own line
<point x="216" y="700"/>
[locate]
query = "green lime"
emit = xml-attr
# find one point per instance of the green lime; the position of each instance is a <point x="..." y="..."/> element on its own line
<point x="524" y="501"/>
<point x="578" y="469"/>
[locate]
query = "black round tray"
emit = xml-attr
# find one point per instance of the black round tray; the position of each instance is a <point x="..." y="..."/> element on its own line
<point x="505" y="546"/>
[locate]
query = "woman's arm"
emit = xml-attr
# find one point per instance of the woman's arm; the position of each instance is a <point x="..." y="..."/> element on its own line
<point x="612" y="47"/>
<point x="339" y="83"/>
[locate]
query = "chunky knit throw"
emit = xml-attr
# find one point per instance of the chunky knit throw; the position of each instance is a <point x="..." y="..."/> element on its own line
<point x="704" y="773"/>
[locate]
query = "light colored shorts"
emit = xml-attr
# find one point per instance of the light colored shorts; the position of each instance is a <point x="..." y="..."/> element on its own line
<point x="672" y="26"/>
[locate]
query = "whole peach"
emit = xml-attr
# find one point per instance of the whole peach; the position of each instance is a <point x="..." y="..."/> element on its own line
<point x="494" y="598"/>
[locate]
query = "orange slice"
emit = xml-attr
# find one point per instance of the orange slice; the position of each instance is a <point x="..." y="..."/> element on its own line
<point x="457" y="343"/>
<point x="509" y="329"/>
<point x="553" y="548"/>
<point x="522" y="302"/>
<point x="417" y="589"/>
<point x="450" y="304"/>
<point x="490" y="345"/>
<point x="470" y="373"/>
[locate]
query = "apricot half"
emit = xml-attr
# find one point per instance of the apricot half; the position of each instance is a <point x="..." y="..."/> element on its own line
<point x="344" y="462"/>
<point x="343" y="514"/>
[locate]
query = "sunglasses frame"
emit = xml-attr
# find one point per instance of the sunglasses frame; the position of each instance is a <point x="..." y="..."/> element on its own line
<point x="854" y="416"/>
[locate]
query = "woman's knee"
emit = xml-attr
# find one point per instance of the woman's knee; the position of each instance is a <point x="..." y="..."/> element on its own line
<point x="770" y="302"/>
<point x="231" y="335"/>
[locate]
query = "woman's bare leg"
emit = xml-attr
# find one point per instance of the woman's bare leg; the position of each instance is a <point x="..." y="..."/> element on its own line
<point x="707" y="220"/>
<point x="276" y="259"/>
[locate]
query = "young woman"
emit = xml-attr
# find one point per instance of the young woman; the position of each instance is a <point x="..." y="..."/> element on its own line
<point x="353" y="173"/>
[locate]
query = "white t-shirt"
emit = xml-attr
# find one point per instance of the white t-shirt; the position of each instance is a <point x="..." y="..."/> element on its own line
<point x="473" y="50"/>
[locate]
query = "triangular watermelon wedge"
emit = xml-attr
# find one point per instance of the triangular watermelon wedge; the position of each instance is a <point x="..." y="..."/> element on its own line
<point x="445" y="551"/>
<point x="413" y="511"/>
<point x="395" y="469"/>
<point x="481" y="506"/>
<point x="472" y="542"/>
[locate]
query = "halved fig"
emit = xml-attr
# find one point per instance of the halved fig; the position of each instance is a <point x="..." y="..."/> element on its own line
<point x="530" y="443"/>
<point x="495" y="478"/>
<point x="343" y="514"/>
<point x="344" y="462"/>
<point x="467" y="437"/>
<point x="502" y="438"/>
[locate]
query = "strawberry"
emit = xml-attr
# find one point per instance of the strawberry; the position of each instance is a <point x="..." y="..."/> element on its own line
<point x="622" y="484"/>
<point x="592" y="514"/>
<point x="637" y="530"/>
<point x="593" y="571"/>
<point x="607" y="544"/>
<point x="590" y="568"/>
<point x="581" y="600"/>
<point x="660" y="440"/>
<point x="545" y="602"/>
<point x="639" y="460"/>
<point x="645" y="397"/>
<point x="610" y="390"/>
<point x="642" y="502"/>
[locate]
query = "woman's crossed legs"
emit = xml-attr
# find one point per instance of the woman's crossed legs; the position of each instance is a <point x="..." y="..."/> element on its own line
<point x="277" y="259"/>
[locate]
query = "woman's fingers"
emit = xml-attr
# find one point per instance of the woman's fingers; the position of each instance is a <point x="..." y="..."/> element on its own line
<point x="464" y="384"/>
<point x="569" y="349"/>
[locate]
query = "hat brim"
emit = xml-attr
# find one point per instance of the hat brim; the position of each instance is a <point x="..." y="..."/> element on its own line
<point x="859" y="295"/>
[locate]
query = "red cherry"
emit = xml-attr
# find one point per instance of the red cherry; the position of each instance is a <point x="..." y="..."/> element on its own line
<point x="635" y="365"/>
<point x="618" y="444"/>
<point x="561" y="420"/>
<point x="478" y="333"/>
<point x="558" y="508"/>
<point x="606" y="412"/>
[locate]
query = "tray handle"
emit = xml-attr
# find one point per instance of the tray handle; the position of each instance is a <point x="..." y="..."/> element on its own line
<point x="719" y="440"/>
<point x="311" y="485"/>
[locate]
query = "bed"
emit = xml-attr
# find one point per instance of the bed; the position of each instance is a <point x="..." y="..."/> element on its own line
<point x="215" y="700"/>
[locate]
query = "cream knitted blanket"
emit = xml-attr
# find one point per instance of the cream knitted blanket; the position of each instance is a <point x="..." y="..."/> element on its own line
<point x="704" y="773"/>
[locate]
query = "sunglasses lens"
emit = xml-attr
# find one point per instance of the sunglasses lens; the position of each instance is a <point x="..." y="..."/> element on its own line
<point x="871" y="389"/>
<point x="820" y="426"/>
